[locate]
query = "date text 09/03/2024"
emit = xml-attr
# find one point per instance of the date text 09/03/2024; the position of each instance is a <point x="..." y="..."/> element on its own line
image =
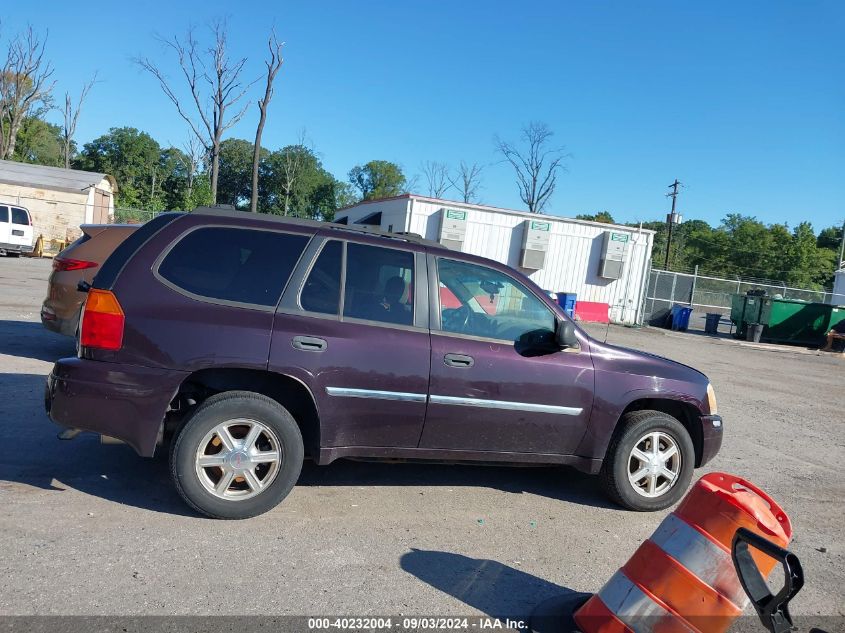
<point x="411" y="623"/>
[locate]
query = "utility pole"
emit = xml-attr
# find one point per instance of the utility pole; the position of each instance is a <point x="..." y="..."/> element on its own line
<point x="671" y="219"/>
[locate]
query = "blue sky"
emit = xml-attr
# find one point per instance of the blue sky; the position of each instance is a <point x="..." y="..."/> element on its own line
<point x="742" y="101"/>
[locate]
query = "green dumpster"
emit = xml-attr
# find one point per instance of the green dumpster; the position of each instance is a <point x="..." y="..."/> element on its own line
<point x="798" y="322"/>
<point x="787" y="320"/>
<point x="837" y="314"/>
<point x="745" y="309"/>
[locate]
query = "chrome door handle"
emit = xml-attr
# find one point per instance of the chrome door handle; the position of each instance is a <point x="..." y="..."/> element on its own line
<point x="459" y="360"/>
<point x="309" y="343"/>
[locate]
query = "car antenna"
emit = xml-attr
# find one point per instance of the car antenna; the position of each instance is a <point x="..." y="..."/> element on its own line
<point x="607" y="330"/>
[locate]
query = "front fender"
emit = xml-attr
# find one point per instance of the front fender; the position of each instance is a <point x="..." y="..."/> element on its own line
<point x="609" y="406"/>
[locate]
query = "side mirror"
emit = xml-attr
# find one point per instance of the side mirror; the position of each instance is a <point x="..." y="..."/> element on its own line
<point x="565" y="334"/>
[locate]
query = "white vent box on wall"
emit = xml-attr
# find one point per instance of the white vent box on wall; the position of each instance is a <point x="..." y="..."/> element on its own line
<point x="613" y="255"/>
<point x="453" y="228"/>
<point x="535" y="243"/>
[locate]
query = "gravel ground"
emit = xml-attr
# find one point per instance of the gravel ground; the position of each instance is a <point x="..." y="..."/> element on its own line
<point x="90" y="529"/>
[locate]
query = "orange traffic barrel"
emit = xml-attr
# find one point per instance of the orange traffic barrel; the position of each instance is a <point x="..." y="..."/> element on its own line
<point x="682" y="579"/>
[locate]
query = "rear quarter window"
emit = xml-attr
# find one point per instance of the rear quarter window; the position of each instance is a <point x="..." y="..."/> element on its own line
<point x="250" y="266"/>
<point x="115" y="263"/>
<point x="4" y="214"/>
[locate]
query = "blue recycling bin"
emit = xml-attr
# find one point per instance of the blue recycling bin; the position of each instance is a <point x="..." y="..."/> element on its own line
<point x="567" y="302"/>
<point x="680" y="318"/>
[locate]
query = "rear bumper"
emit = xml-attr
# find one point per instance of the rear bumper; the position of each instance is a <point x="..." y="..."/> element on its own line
<point x="15" y="248"/>
<point x="711" y="437"/>
<point x="127" y="402"/>
<point x="56" y="323"/>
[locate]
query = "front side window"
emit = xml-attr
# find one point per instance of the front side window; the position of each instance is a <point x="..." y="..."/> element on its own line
<point x="20" y="216"/>
<point x="4" y="214"/>
<point x="479" y="301"/>
<point x="233" y="264"/>
<point x="321" y="292"/>
<point x="379" y="284"/>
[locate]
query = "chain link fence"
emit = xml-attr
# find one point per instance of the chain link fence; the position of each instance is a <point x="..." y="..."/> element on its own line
<point x="704" y="293"/>
<point x="133" y="216"/>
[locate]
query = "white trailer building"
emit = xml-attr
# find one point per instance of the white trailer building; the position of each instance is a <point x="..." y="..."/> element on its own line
<point x="602" y="263"/>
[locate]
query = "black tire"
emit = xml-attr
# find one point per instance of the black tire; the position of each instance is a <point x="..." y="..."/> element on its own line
<point x="233" y="405"/>
<point x="632" y="429"/>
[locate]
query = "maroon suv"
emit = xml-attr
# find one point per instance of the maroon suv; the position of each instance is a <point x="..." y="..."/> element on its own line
<point x="245" y="342"/>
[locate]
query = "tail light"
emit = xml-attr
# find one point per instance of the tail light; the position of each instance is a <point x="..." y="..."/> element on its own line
<point x="61" y="264"/>
<point x="102" y="321"/>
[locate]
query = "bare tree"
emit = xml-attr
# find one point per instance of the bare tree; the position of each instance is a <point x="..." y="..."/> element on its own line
<point x="220" y="76"/>
<point x="437" y="177"/>
<point x="71" y="119"/>
<point x="192" y="157"/>
<point x="292" y="163"/>
<point x="537" y="165"/>
<point x="273" y="65"/>
<point x="411" y="183"/>
<point x="467" y="180"/>
<point x="25" y="86"/>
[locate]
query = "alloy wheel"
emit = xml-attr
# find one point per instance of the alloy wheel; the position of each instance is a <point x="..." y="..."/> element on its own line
<point x="238" y="459"/>
<point x="654" y="464"/>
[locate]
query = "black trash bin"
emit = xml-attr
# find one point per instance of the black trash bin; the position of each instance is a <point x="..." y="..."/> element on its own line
<point x="711" y="324"/>
<point x="754" y="332"/>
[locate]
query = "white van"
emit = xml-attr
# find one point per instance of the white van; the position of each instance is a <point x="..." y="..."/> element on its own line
<point x="15" y="230"/>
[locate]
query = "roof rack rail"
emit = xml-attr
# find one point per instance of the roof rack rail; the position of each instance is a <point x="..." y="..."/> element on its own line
<point x="228" y="211"/>
<point x="405" y="236"/>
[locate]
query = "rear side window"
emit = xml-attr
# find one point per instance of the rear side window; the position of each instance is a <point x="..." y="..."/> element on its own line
<point x="321" y="292"/>
<point x="4" y="214"/>
<point x="233" y="264"/>
<point x="20" y="216"/>
<point x="379" y="284"/>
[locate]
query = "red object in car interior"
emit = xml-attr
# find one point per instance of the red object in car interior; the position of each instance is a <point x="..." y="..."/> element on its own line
<point x="103" y="321"/>
<point x="60" y="264"/>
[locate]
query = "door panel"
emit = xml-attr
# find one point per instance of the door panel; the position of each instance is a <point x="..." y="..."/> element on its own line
<point x="506" y="401"/>
<point x="101" y="207"/>
<point x="498" y="383"/>
<point x="5" y="224"/>
<point x="351" y="327"/>
<point x="370" y="382"/>
<point x="20" y="229"/>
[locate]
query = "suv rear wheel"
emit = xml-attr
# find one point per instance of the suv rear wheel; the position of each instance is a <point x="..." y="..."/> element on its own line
<point x="237" y="456"/>
<point x="649" y="462"/>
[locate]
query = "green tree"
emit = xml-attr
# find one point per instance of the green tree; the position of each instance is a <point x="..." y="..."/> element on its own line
<point x="831" y="238"/>
<point x="39" y="142"/>
<point x="378" y="179"/>
<point x="200" y="193"/>
<point x="295" y="183"/>
<point x="601" y="216"/>
<point x="803" y="260"/>
<point x="133" y="158"/>
<point x="234" y="184"/>
<point x="345" y="195"/>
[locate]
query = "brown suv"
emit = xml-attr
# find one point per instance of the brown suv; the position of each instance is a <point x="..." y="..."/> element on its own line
<point x="78" y="262"/>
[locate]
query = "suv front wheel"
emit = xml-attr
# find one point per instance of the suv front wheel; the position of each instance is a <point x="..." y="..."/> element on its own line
<point x="649" y="462"/>
<point x="237" y="456"/>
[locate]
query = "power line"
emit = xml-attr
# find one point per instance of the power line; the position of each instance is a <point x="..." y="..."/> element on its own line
<point x="71" y="202"/>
